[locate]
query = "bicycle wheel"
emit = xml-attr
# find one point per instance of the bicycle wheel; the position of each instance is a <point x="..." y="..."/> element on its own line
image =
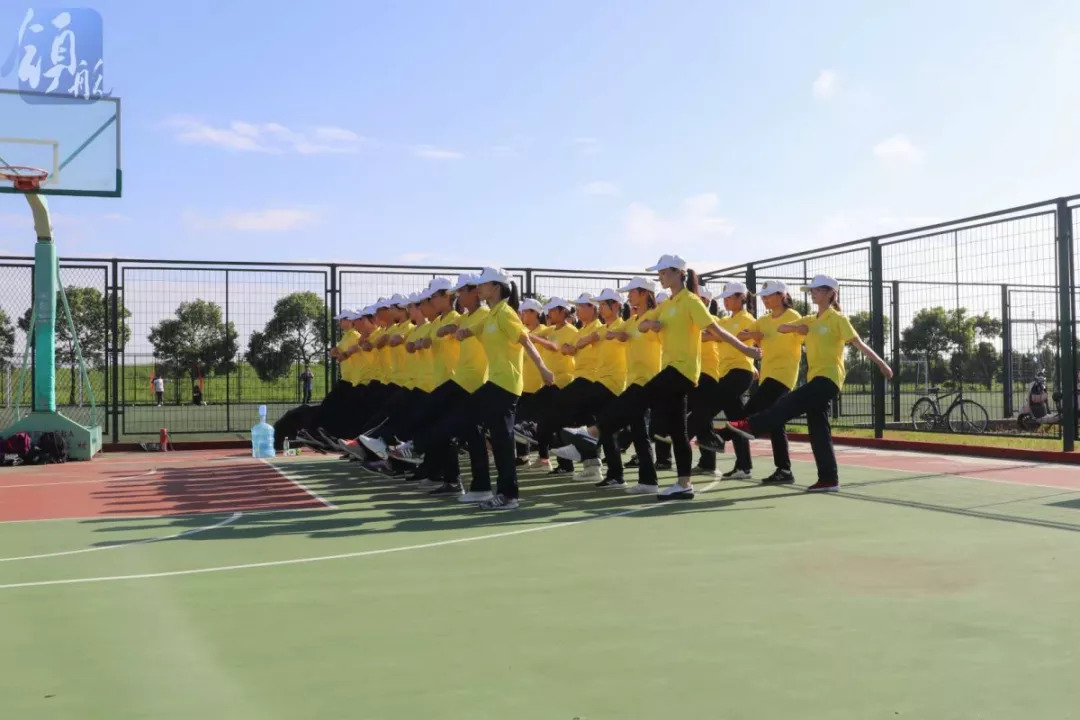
<point x="924" y="414"/>
<point x="968" y="417"/>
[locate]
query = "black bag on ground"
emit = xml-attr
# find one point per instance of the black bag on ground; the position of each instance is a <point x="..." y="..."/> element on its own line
<point x="52" y="447"/>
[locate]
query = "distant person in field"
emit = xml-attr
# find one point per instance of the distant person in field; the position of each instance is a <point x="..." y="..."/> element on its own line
<point x="159" y="390"/>
<point x="307" y="378"/>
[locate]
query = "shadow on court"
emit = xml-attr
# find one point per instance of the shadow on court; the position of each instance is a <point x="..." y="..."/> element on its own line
<point x="369" y="504"/>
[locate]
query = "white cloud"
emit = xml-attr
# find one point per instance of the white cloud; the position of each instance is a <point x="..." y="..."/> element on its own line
<point x="600" y="187"/>
<point x="268" y="220"/>
<point x="433" y="153"/>
<point x="825" y="85"/>
<point x="272" y="138"/>
<point x="691" y="231"/>
<point x="899" y="150"/>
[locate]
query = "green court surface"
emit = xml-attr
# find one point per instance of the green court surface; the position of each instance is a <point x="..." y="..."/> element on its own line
<point x="917" y="592"/>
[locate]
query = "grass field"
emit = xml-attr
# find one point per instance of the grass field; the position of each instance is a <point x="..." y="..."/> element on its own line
<point x="917" y="592"/>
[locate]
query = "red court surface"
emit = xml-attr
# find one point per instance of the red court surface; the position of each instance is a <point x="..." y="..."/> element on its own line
<point x="149" y="484"/>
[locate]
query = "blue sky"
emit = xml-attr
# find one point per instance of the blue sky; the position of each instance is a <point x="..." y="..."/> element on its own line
<point x="567" y="134"/>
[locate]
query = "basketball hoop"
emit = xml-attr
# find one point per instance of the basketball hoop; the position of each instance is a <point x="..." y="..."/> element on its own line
<point x="25" y="178"/>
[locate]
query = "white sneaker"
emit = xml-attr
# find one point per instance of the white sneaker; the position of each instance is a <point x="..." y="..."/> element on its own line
<point x="567" y="452"/>
<point x="676" y="492"/>
<point x="405" y="453"/>
<point x="500" y="502"/>
<point x="375" y="445"/>
<point x="736" y="474"/>
<point x="540" y="463"/>
<point x="590" y="472"/>
<point x="641" y="489"/>
<point x="475" y="497"/>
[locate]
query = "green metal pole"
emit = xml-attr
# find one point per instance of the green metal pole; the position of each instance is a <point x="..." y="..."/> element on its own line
<point x="1066" y="325"/>
<point x="46" y="272"/>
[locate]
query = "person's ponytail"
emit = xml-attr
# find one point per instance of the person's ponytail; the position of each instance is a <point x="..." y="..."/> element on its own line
<point x="691" y="281"/>
<point x="835" y="302"/>
<point x="510" y="295"/>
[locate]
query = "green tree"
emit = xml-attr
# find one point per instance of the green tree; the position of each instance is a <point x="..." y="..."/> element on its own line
<point x="196" y="340"/>
<point x="7" y="341"/>
<point x="298" y="331"/>
<point x="91" y="321"/>
<point x="984" y="364"/>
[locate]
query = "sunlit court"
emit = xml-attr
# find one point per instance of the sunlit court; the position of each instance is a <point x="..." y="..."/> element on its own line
<point x="567" y="362"/>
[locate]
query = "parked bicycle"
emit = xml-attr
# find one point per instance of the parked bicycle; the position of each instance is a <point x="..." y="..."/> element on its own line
<point x="962" y="415"/>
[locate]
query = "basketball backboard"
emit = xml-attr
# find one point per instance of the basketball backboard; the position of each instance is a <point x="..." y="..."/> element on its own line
<point x="76" y="140"/>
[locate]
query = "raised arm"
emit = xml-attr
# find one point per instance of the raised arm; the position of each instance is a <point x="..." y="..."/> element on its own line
<point x="724" y="336"/>
<point x="868" y="351"/>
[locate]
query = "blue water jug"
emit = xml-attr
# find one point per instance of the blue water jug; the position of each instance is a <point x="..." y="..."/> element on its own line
<point x="262" y="437"/>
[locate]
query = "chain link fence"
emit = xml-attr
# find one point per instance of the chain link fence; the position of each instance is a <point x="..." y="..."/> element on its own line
<point x="969" y="313"/>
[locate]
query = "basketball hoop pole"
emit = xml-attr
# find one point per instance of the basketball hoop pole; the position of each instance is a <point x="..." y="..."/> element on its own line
<point x="46" y="274"/>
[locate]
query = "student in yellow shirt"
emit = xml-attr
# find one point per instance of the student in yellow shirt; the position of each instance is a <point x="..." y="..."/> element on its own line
<point x="781" y="354"/>
<point x="680" y="322"/>
<point x="578" y="401"/>
<point x="553" y="345"/>
<point x="723" y="392"/>
<point x="827" y="334"/>
<point x="505" y="342"/>
<point x="532" y="317"/>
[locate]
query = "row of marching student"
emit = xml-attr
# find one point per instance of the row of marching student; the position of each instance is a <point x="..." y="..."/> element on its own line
<point x="461" y="366"/>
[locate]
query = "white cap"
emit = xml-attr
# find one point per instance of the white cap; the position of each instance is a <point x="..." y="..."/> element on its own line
<point x="662" y="296"/>
<point x="397" y="300"/>
<point x="668" y="261"/>
<point x="608" y="294"/>
<point x="343" y="315"/>
<point x="368" y="311"/>
<point x="496" y="275"/>
<point x="464" y="280"/>
<point x="639" y="283"/>
<point x="439" y="284"/>
<point x="381" y="304"/>
<point x="704" y="293"/>
<point x="586" y="299"/>
<point x="734" y="288"/>
<point x="773" y="287"/>
<point x="558" y="302"/>
<point x="821" y="281"/>
<point x="531" y="304"/>
<point x="415" y="298"/>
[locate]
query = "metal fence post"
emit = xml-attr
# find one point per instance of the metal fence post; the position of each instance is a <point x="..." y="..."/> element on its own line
<point x="331" y="371"/>
<point x="896" y="349"/>
<point x="239" y="366"/>
<point x="877" y="334"/>
<point x="1006" y="354"/>
<point x="117" y="341"/>
<point x="1066" y="325"/>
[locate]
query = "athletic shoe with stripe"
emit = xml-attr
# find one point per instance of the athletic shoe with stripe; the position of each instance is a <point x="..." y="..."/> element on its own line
<point x="583" y="432"/>
<point x="737" y="474"/>
<point x="375" y="445"/>
<point x="500" y="502"/>
<point x="779" y="477"/>
<point x="405" y="453"/>
<point x="676" y="492"/>
<point x="475" y="496"/>
<point x="446" y="489"/>
<point x="610" y="483"/>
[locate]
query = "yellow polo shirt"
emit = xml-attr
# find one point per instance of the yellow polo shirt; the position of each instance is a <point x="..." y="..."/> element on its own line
<point x="377" y="359"/>
<point x="780" y="352"/>
<point x="642" y="351"/>
<point x="530" y="373"/>
<point x="472" y="367"/>
<point x="564" y="366"/>
<point x="611" y="358"/>
<point x="829" y="334"/>
<point x="500" y="334"/>
<point x="444" y="349"/>
<point x="730" y="358"/>
<point x="587" y="357"/>
<point x="710" y="355"/>
<point x="683" y="316"/>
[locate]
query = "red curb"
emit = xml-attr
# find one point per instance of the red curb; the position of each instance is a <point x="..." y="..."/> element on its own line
<point x="1054" y="456"/>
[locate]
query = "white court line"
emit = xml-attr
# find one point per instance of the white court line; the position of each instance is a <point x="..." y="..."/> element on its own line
<point x="302" y="486"/>
<point x="345" y="556"/>
<point x="233" y="518"/>
<point x="81" y="482"/>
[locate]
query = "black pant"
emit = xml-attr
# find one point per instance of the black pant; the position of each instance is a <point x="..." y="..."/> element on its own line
<point x="639" y="431"/>
<point x="575" y="404"/>
<point x="440" y="460"/>
<point x="711" y="397"/>
<point x="666" y="394"/>
<point x="813" y="399"/>
<point x="491" y="408"/>
<point x="767" y="393"/>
